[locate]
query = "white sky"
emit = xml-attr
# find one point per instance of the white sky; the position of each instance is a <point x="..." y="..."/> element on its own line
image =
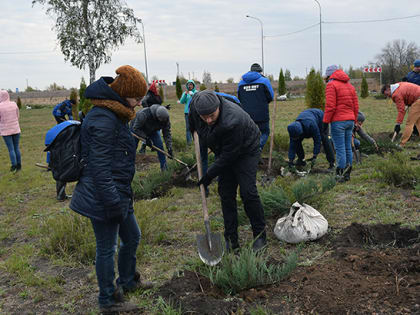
<point x="211" y="35"/>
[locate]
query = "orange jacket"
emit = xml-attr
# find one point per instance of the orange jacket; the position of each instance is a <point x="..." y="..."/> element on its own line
<point x="405" y="95"/>
<point x="341" y="99"/>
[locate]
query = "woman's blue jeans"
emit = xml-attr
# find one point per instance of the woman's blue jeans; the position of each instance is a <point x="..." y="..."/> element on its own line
<point x="157" y="142"/>
<point x="187" y="130"/>
<point x="12" y="143"/>
<point x="106" y="234"/>
<point x="341" y="133"/>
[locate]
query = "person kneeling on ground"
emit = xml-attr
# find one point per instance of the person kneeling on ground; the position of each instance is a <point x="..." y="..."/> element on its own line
<point x="405" y="96"/>
<point x="235" y="139"/>
<point x="61" y="110"/>
<point x="148" y="123"/>
<point x="103" y="192"/>
<point x="309" y="125"/>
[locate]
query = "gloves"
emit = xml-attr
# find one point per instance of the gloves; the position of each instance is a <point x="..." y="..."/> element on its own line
<point x="149" y="142"/>
<point x="205" y="180"/>
<point x="324" y="128"/>
<point x="171" y="154"/>
<point x="397" y="128"/>
<point x="312" y="160"/>
<point x="168" y="107"/>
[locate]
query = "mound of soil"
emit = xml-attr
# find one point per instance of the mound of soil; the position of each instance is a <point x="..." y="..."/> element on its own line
<point x="143" y="161"/>
<point x="354" y="279"/>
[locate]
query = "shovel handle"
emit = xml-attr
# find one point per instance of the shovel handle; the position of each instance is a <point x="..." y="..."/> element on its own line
<point x="272" y="135"/>
<point x="41" y="165"/>
<point x="200" y="174"/>
<point x="160" y="150"/>
<point x="394" y="136"/>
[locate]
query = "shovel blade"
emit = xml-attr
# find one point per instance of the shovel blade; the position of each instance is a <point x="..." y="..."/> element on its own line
<point x="210" y="256"/>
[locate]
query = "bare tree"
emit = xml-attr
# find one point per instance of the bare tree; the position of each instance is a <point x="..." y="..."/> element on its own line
<point x="206" y="78"/>
<point x="396" y="58"/>
<point x="89" y="30"/>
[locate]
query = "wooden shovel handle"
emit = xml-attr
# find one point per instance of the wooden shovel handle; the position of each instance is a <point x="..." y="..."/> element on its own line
<point x="272" y="135"/>
<point x="200" y="174"/>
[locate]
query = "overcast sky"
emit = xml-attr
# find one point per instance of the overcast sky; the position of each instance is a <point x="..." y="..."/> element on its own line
<point x="211" y="35"/>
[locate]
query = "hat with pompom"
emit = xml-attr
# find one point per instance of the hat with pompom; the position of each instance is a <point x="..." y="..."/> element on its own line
<point x="129" y="82"/>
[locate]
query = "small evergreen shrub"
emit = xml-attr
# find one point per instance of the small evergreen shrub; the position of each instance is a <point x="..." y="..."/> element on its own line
<point x="274" y="201"/>
<point x="305" y="189"/>
<point x="179" y="144"/>
<point x="19" y="102"/>
<point x="74" y="107"/>
<point x="247" y="270"/>
<point x="178" y="88"/>
<point x="153" y="185"/>
<point x="282" y="84"/>
<point x="364" y="89"/>
<point x="203" y="87"/>
<point x="315" y="90"/>
<point x="84" y="104"/>
<point x="281" y="143"/>
<point x="396" y="171"/>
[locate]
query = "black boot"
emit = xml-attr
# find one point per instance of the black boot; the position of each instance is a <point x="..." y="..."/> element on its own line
<point x="260" y="242"/>
<point x="18" y="167"/>
<point x="346" y="173"/>
<point x="13" y="169"/>
<point x="61" y="190"/>
<point x="232" y="244"/>
<point x="339" y="175"/>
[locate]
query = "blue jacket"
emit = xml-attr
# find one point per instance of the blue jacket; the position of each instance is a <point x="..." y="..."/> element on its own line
<point x="311" y="122"/>
<point x="63" y="109"/>
<point x="412" y="77"/>
<point x="255" y="93"/>
<point x="229" y="97"/>
<point x="104" y="189"/>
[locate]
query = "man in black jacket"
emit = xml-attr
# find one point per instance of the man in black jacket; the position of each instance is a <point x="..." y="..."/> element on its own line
<point x="235" y="139"/>
<point x="148" y="123"/>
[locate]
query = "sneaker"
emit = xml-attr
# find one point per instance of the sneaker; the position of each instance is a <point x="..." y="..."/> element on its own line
<point x="118" y="307"/>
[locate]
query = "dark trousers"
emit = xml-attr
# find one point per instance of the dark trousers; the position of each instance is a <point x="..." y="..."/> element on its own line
<point x="59" y="119"/>
<point x="243" y="173"/>
<point x="328" y="148"/>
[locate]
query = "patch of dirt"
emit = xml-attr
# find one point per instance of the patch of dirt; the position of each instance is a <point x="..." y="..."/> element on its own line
<point x="143" y="161"/>
<point x="372" y="269"/>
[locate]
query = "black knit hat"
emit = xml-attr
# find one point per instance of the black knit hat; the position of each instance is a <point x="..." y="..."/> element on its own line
<point x="206" y="102"/>
<point x="256" y="67"/>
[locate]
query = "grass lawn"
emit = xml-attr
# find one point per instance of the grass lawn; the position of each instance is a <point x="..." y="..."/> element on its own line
<point x="47" y="251"/>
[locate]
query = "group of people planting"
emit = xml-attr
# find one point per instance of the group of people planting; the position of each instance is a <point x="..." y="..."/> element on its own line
<point x="234" y="128"/>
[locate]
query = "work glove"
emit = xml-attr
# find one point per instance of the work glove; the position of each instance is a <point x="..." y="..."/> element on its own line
<point x="312" y="160"/>
<point x="171" y="154"/>
<point x="397" y="128"/>
<point x="324" y="128"/>
<point x="149" y="142"/>
<point x="205" y="180"/>
<point x="168" y="107"/>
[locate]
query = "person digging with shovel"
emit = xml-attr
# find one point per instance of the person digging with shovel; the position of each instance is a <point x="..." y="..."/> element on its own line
<point x="309" y="125"/>
<point x="147" y="125"/>
<point x="361" y="132"/>
<point x="235" y="139"/>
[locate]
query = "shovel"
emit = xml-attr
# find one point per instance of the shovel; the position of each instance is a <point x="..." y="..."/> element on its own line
<point x="161" y="151"/>
<point x="210" y="247"/>
<point x="268" y="178"/>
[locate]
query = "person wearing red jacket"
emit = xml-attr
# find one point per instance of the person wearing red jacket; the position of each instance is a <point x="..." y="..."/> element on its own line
<point x="341" y="109"/>
<point x="405" y="95"/>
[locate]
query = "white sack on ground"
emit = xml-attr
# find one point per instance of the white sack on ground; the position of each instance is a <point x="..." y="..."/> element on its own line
<point x="303" y="223"/>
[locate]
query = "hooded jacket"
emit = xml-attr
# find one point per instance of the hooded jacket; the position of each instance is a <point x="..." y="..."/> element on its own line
<point x="405" y="95"/>
<point x="9" y="115"/>
<point x="62" y="109"/>
<point x="255" y="93"/>
<point x="341" y="99"/>
<point x="104" y="189"/>
<point x="311" y="123"/>
<point x="186" y="97"/>
<point x="232" y="136"/>
<point x="412" y="77"/>
<point x="152" y="97"/>
<point x="146" y="123"/>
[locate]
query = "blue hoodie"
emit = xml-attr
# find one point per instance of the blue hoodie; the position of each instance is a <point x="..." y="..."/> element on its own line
<point x="255" y="93"/>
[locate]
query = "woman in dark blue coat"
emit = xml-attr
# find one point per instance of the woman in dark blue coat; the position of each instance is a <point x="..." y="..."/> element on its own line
<point x="103" y="192"/>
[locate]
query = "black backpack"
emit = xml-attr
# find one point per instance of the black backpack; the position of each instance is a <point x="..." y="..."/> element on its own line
<point x="66" y="162"/>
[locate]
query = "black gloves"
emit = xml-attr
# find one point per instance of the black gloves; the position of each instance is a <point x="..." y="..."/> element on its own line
<point x="205" y="180"/>
<point x="168" y="107"/>
<point x="171" y="154"/>
<point x="324" y="128"/>
<point x="397" y="128"/>
<point x="149" y="142"/>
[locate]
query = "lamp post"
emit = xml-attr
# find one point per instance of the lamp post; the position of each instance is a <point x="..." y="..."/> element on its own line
<point x="320" y="37"/>
<point x="262" y="39"/>
<point x="144" y="46"/>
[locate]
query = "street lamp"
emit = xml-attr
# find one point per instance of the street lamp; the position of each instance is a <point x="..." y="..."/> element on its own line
<point x="144" y="45"/>
<point x="262" y="38"/>
<point x="320" y="37"/>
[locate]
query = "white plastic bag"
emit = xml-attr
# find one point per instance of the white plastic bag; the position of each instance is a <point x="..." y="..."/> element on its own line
<point x="303" y="223"/>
